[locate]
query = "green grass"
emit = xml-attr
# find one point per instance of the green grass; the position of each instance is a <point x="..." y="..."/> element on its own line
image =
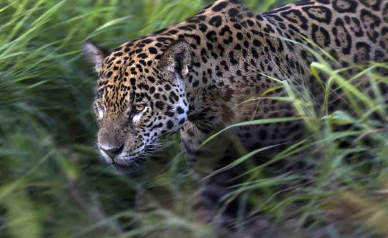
<point x="54" y="184"/>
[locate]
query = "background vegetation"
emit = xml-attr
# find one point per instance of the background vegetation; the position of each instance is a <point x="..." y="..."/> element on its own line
<point x="54" y="184"/>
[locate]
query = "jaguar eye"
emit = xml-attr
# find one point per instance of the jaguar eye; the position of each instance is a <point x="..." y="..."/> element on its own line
<point x="99" y="110"/>
<point x="139" y="108"/>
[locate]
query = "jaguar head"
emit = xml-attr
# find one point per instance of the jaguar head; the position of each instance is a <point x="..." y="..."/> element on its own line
<point x="140" y="98"/>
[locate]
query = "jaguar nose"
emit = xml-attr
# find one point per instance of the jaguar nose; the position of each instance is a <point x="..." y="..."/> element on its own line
<point x="112" y="152"/>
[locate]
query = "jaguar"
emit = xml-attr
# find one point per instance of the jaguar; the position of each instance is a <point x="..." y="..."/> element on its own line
<point x="197" y="77"/>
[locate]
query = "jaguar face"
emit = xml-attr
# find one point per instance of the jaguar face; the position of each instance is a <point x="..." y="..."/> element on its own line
<point x="139" y="100"/>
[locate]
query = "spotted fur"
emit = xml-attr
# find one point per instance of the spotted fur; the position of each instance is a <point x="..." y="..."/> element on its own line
<point x="193" y="76"/>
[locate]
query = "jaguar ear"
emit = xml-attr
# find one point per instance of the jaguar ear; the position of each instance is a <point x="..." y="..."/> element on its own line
<point x="95" y="54"/>
<point x="177" y="57"/>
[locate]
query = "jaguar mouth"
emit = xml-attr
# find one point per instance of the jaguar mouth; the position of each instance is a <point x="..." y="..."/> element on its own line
<point x="131" y="165"/>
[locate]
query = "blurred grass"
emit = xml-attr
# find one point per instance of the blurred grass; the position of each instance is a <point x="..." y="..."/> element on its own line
<point x="53" y="184"/>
